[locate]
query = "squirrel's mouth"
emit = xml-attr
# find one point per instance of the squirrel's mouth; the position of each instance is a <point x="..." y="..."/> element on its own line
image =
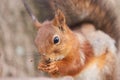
<point x="57" y="58"/>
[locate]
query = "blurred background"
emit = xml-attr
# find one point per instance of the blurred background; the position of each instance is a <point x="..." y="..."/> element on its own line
<point x="18" y="54"/>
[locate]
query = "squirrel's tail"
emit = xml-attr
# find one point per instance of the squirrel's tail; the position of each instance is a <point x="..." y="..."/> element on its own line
<point x="98" y="12"/>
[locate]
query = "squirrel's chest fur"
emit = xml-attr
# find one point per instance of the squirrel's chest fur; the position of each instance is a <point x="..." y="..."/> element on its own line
<point x="104" y="57"/>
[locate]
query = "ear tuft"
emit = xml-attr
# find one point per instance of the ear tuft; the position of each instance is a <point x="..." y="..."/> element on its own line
<point x="59" y="18"/>
<point x="37" y="24"/>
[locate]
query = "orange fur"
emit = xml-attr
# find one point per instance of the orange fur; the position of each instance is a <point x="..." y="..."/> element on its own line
<point x="99" y="60"/>
<point x="70" y="51"/>
<point x="75" y="54"/>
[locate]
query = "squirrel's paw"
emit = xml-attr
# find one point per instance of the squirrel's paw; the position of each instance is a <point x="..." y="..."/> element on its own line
<point x="42" y="66"/>
<point x="50" y="68"/>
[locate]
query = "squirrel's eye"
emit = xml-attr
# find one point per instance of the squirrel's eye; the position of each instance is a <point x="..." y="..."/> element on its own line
<point x="56" y="39"/>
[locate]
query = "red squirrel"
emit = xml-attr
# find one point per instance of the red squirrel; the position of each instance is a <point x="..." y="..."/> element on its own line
<point x="83" y="53"/>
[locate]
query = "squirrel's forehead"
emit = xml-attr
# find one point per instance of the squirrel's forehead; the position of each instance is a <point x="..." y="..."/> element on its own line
<point x="46" y="31"/>
<point x="46" y="27"/>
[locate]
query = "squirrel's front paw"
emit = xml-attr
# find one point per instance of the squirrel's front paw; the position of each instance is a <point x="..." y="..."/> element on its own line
<point x="51" y="68"/>
<point x="42" y="66"/>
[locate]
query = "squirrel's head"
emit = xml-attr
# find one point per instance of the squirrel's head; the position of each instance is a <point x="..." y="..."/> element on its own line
<point x="54" y="38"/>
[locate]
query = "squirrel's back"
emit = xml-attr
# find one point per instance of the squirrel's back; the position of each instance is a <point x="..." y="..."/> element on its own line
<point x="100" y="13"/>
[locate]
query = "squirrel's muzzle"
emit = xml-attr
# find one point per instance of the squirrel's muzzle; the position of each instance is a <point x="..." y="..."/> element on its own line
<point x="47" y="60"/>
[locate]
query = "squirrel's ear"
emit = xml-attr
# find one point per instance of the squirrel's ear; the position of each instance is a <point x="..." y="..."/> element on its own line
<point x="37" y="24"/>
<point x="59" y="18"/>
<point x="34" y="19"/>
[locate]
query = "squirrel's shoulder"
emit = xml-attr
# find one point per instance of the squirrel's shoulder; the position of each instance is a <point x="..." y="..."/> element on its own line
<point x="99" y="40"/>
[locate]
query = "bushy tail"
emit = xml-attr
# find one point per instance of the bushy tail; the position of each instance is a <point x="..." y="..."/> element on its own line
<point x="98" y="12"/>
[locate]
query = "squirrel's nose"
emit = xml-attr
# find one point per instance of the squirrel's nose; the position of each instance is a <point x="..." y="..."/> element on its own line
<point x="48" y="60"/>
